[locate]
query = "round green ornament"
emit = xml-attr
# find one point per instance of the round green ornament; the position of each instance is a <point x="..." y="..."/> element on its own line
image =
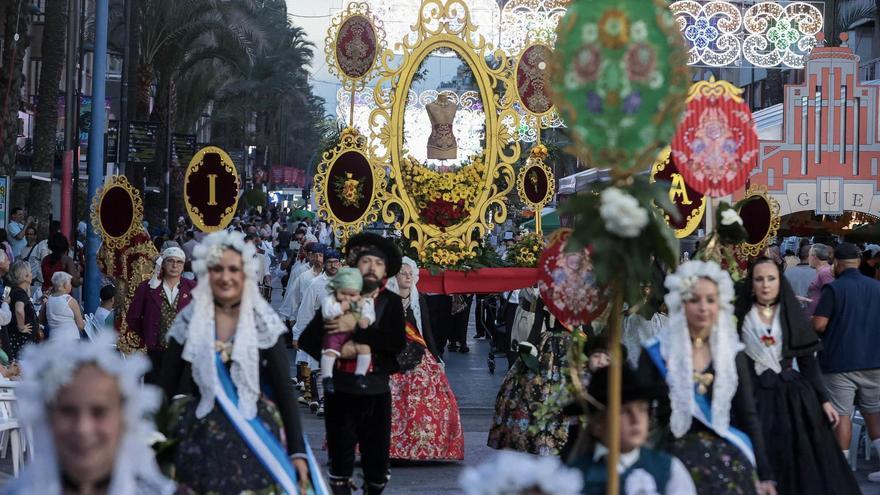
<point x="621" y="79"/>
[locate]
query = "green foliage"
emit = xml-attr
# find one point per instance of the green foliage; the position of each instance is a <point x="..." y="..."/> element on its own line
<point x="620" y="263"/>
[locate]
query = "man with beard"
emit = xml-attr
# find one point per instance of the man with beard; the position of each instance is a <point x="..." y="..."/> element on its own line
<point x="362" y="415"/>
<point x="311" y="302"/>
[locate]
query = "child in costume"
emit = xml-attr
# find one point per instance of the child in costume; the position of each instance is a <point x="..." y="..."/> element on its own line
<point x="346" y="297"/>
<point x="642" y="470"/>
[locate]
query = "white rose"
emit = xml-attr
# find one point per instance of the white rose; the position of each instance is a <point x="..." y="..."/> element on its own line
<point x="730" y="217"/>
<point x="622" y="213"/>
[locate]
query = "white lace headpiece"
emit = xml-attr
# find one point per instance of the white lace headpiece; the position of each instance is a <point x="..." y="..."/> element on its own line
<point x="675" y="345"/>
<point x="258" y="326"/>
<point x="48" y="367"/>
<point x="394" y="287"/>
<point x="515" y="472"/>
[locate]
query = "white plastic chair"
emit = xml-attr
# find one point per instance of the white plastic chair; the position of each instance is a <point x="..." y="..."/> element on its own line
<point x="10" y="429"/>
<point x="91" y="327"/>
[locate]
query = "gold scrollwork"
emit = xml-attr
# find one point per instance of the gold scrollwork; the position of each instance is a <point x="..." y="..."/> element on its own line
<point x="196" y="215"/>
<point x="350" y="140"/>
<point x="695" y="216"/>
<point x="535" y="161"/>
<point x="137" y="211"/>
<point x="445" y="24"/>
<point x="760" y="191"/>
<point x="354" y="9"/>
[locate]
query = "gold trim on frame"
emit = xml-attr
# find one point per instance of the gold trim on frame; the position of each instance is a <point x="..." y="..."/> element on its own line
<point x="354" y="9"/>
<point x="349" y="140"/>
<point x="512" y="92"/>
<point x="433" y="29"/>
<point x="760" y="190"/>
<point x="193" y="211"/>
<point x="696" y="216"/>
<point x="137" y="216"/>
<point x="536" y="160"/>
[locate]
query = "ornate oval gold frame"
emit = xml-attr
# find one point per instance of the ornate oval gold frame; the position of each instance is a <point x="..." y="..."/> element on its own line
<point x="432" y="31"/>
<point x="137" y="217"/>
<point x="193" y="211"/>
<point x="353" y="9"/>
<point x="512" y="92"/>
<point x="536" y="160"/>
<point x="696" y="216"/>
<point x="349" y="140"/>
<point x="760" y="190"/>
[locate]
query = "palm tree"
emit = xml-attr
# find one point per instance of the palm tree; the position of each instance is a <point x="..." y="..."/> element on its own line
<point x="176" y="35"/>
<point x="16" y="21"/>
<point x="45" y="126"/>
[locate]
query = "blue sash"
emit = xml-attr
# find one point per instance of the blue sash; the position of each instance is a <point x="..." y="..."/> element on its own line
<point x="262" y="442"/>
<point x="703" y="411"/>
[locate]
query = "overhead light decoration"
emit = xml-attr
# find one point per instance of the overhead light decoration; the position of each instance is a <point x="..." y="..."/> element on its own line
<point x="527" y="21"/>
<point x="399" y="15"/>
<point x="764" y="34"/>
<point x="526" y="130"/>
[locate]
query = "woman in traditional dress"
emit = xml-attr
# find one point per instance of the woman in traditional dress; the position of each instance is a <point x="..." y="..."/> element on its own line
<point x="89" y="415"/>
<point x="425" y="424"/>
<point x="227" y="343"/>
<point x="795" y="412"/>
<point x="698" y="353"/>
<point x="528" y="410"/>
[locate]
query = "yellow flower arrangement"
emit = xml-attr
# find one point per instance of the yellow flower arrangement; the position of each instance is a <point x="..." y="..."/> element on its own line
<point x="527" y="250"/>
<point x="443" y="198"/>
<point x="447" y="255"/>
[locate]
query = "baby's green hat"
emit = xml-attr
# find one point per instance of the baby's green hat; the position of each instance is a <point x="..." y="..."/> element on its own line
<point x="347" y="278"/>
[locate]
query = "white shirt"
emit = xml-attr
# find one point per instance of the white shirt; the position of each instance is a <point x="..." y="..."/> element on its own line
<point x="287" y="309"/>
<point x="311" y="301"/>
<point x="680" y="481"/>
<point x="331" y="308"/>
<point x="299" y="288"/>
<point x="5" y="314"/>
<point x="171" y="292"/>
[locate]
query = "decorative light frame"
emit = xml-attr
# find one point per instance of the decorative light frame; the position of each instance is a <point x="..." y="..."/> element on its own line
<point x="763" y="34"/>
<point x="529" y="21"/>
<point x="433" y="31"/>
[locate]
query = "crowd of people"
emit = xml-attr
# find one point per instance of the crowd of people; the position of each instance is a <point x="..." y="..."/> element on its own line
<point x="729" y="388"/>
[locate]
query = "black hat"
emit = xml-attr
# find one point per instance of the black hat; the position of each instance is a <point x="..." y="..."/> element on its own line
<point x="636" y="386"/>
<point x="366" y="243"/>
<point x="847" y="251"/>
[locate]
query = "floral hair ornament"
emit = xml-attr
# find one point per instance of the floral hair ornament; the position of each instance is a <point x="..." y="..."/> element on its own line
<point x="51" y="366"/>
<point x="515" y="473"/>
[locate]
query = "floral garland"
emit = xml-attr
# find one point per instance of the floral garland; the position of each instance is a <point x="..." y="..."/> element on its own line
<point x="526" y="251"/>
<point x="443" y="199"/>
<point x="447" y="255"/>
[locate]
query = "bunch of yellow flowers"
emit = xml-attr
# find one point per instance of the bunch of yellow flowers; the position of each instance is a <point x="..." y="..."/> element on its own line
<point x="427" y="185"/>
<point x="527" y="250"/>
<point x="446" y="254"/>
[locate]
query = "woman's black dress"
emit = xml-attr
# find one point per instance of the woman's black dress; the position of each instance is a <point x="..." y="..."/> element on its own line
<point x="17" y="340"/>
<point x="211" y="457"/>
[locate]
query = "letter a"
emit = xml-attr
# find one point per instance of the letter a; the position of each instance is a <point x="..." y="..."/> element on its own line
<point x="678" y="189"/>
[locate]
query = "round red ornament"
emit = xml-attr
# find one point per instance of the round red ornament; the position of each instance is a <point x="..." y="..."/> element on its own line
<point x="715" y="146"/>
<point x="567" y="284"/>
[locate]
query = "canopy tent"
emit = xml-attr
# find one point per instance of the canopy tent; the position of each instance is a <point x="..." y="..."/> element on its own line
<point x="865" y="233"/>
<point x="549" y="221"/>
<point x="302" y="215"/>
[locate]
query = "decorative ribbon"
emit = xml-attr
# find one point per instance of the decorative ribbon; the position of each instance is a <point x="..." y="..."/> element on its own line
<point x="413" y="334"/>
<point x="703" y="411"/>
<point x="261" y="441"/>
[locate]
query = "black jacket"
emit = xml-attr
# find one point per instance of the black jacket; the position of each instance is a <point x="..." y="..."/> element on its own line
<point x="386" y="338"/>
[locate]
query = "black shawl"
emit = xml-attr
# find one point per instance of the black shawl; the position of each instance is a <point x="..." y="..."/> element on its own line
<point x="798" y="337"/>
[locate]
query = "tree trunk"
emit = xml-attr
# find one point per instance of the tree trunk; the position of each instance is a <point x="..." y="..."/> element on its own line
<point x="11" y="81"/>
<point x="46" y="125"/>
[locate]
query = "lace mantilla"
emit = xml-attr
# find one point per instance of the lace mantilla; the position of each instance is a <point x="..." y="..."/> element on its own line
<point x="675" y="347"/>
<point x="258" y="326"/>
<point x="393" y="286"/>
<point x="49" y="367"/>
